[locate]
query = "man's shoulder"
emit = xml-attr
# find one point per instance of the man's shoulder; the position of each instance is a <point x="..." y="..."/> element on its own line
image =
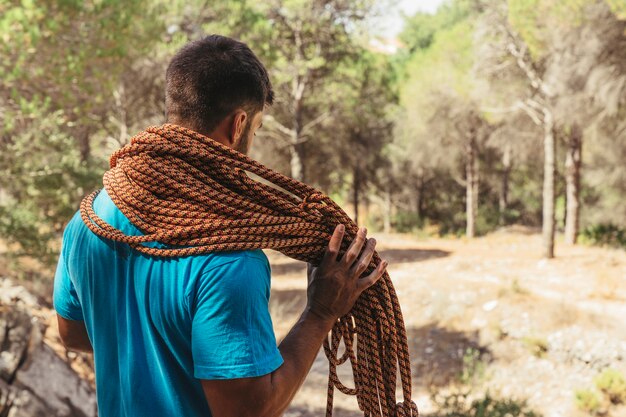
<point x="239" y="274"/>
<point x="106" y="209"/>
<point x="215" y="260"/>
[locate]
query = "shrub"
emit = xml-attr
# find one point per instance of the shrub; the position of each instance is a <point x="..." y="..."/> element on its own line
<point x="459" y="405"/>
<point x="473" y="366"/>
<point x="537" y="346"/>
<point x="605" y="235"/>
<point x="613" y="385"/>
<point x="589" y="401"/>
<point x="407" y="221"/>
<point x="610" y="389"/>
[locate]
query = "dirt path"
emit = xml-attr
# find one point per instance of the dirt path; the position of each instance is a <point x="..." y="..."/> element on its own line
<point x="542" y="329"/>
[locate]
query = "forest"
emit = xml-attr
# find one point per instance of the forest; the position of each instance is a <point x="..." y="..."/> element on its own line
<point x="489" y="114"/>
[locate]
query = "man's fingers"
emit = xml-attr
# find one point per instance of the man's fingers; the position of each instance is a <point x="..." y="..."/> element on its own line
<point x="362" y="263"/>
<point x="334" y="244"/>
<point x="355" y="247"/>
<point x="368" y="281"/>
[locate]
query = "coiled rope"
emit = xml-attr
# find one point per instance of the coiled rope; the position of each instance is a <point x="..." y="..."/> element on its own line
<point x="193" y="194"/>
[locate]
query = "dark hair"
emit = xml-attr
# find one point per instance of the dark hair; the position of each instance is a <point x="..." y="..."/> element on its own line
<point x="209" y="78"/>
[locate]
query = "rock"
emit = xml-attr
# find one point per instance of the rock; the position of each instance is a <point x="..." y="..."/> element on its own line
<point x="34" y="381"/>
<point x="11" y="294"/>
<point x="15" y="333"/>
<point x="21" y="403"/>
<point x="53" y="379"/>
<point x="490" y="305"/>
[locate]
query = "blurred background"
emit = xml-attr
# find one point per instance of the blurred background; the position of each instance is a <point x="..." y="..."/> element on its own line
<point x="482" y="142"/>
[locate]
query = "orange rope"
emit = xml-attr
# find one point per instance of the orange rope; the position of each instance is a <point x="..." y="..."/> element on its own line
<point x="193" y="194"/>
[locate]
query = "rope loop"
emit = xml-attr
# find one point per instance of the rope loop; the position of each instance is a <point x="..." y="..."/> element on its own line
<point x="406" y="409"/>
<point x="193" y="195"/>
<point x="312" y="203"/>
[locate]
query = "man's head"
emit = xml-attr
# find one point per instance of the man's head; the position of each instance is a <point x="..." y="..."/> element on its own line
<point x="219" y="88"/>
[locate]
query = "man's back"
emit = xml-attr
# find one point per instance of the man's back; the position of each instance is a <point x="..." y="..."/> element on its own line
<point x="162" y="328"/>
<point x="158" y="325"/>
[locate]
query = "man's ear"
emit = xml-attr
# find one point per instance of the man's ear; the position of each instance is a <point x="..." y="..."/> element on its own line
<point x="237" y="125"/>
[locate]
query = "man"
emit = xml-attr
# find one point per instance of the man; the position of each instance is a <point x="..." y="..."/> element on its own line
<point x="192" y="336"/>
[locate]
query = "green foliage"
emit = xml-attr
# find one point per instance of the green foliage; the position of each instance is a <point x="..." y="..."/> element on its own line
<point x="87" y="74"/>
<point x="421" y="28"/>
<point x="474" y="367"/>
<point x="531" y="18"/>
<point x="609" y="390"/>
<point x="487" y="219"/>
<point x="445" y="64"/>
<point x="538" y="346"/>
<point x="613" y="385"/>
<point x="517" y="288"/>
<point x="71" y="46"/>
<point x="43" y="178"/>
<point x="406" y="221"/>
<point x="618" y="7"/>
<point x="605" y="235"/>
<point x="460" y="405"/>
<point x="60" y="93"/>
<point x="589" y="401"/>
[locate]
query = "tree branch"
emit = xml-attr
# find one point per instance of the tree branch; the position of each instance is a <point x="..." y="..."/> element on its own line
<point x="319" y="119"/>
<point x="273" y="123"/>
<point x="519" y="51"/>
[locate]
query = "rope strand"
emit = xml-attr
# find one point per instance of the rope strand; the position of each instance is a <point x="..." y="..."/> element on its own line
<point x="193" y="195"/>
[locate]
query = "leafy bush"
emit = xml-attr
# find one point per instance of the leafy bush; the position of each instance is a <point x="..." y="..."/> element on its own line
<point x="613" y="385"/>
<point x="43" y="181"/>
<point x="589" y="401"/>
<point x="459" y="405"/>
<point x="605" y="235"/>
<point x="610" y="389"/>
<point x="407" y="221"/>
<point x="537" y="346"/>
<point x="473" y="366"/>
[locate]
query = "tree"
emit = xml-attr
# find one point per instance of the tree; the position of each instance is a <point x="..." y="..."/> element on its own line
<point x="440" y="110"/>
<point x="55" y="94"/>
<point x="558" y="34"/>
<point x="366" y="96"/>
<point x="309" y="41"/>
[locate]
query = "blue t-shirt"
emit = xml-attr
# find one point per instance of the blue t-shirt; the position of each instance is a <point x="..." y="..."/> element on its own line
<point x="158" y="325"/>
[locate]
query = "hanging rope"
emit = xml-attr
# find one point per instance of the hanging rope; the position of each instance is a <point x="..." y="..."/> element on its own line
<point x="193" y="194"/>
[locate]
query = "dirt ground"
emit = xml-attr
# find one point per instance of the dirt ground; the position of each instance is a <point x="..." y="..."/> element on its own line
<point x="540" y="329"/>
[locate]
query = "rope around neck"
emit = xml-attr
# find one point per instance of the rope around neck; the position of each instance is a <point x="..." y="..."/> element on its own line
<point x="192" y="193"/>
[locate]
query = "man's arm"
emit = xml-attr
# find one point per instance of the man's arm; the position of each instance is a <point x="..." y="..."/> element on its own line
<point x="74" y="334"/>
<point x="65" y="299"/>
<point x="333" y="288"/>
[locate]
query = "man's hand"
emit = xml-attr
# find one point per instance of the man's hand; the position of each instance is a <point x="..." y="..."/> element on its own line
<point x="335" y="285"/>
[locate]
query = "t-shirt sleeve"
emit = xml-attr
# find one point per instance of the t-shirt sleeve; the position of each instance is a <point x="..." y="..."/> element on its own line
<point x="65" y="298"/>
<point x="232" y="334"/>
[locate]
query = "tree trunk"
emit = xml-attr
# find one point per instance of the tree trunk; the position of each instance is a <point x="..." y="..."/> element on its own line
<point x="573" y="163"/>
<point x="82" y="135"/>
<point x="549" y="177"/>
<point x="296" y="149"/>
<point x="296" y="162"/>
<point x="4" y="196"/>
<point x="355" y="192"/>
<point x="504" y="185"/>
<point x="387" y="210"/>
<point x="419" y="196"/>
<point x="471" y="186"/>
